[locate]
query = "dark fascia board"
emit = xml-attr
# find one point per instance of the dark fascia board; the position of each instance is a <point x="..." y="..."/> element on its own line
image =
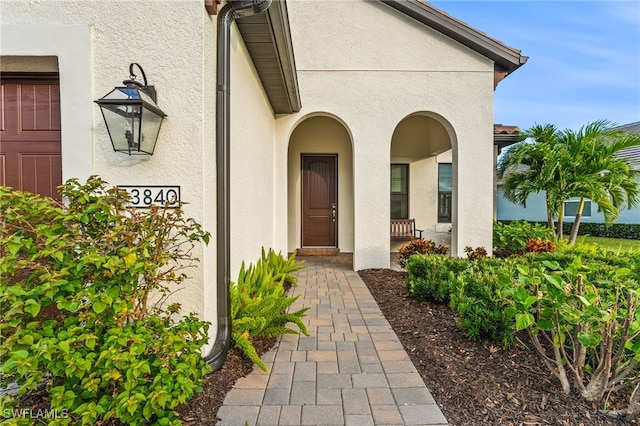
<point x="505" y="58"/>
<point x="502" y="141"/>
<point x="278" y="17"/>
<point x="276" y="69"/>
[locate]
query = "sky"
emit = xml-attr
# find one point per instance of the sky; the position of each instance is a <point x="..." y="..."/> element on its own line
<point x="584" y="59"/>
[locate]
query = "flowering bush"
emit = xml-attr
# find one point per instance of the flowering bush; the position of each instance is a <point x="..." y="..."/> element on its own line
<point x="419" y="246"/>
<point x="538" y="245"/>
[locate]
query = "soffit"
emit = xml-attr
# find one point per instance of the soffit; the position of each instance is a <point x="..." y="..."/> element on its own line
<point x="504" y="136"/>
<point x="268" y="41"/>
<point x="506" y="59"/>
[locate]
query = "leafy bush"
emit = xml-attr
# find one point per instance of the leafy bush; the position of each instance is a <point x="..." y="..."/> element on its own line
<point x="586" y="331"/>
<point x="479" y="299"/>
<point x="419" y="246"/>
<point x="629" y="231"/>
<point x="108" y="347"/>
<point x="512" y="237"/>
<point x="281" y="267"/>
<point x="432" y="277"/>
<point x="477" y="253"/>
<point x="259" y="304"/>
<point x="538" y="245"/>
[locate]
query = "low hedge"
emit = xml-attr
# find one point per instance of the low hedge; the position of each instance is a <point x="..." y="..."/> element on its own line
<point x="628" y="231"/>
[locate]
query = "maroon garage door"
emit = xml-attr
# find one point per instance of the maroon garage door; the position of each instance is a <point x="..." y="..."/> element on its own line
<point x="30" y="141"/>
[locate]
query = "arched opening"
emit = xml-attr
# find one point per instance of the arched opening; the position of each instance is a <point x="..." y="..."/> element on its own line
<point x="422" y="177"/>
<point x="320" y="186"/>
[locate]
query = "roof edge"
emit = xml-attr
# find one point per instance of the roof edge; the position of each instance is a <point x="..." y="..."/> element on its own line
<point x="504" y="57"/>
<point x="278" y="18"/>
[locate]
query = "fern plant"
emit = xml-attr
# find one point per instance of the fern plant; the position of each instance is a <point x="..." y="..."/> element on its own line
<point x="259" y="307"/>
<point x="282" y="268"/>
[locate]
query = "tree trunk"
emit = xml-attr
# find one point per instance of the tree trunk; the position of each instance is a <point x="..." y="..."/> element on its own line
<point x="560" y="230"/>
<point x="550" y="223"/>
<point x="576" y="223"/>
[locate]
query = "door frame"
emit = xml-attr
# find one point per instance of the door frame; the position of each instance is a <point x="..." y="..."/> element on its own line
<point x="302" y="188"/>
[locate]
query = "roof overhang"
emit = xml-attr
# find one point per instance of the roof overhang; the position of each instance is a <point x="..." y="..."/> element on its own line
<point x="506" y="59"/>
<point x="504" y="136"/>
<point x="268" y="41"/>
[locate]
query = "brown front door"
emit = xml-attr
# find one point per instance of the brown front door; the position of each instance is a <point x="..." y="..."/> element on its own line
<point x="319" y="200"/>
<point x="30" y="141"/>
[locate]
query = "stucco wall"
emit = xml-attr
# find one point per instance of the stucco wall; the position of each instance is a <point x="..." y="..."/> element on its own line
<point x="423" y="194"/>
<point x="361" y="62"/>
<point x="371" y="67"/>
<point x="536" y="211"/>
<point x="93" y="43"/>
<point x="252" y="162"/>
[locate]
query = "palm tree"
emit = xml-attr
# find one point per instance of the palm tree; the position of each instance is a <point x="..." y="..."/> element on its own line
<point x="597" y="173"/>
<point x="531" y="167"/>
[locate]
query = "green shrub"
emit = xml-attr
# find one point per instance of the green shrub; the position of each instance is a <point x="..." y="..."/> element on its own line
<point x="419" y="246"/>
<point x="259" y="304"/>
<point x="476" y="253"/>
<point x="83" y="293"/>
<point x="512" y="238"/>
<point x="281" y="267"/>
<point x="586" y="330"/>
<point x="480" y="299"/>
<point x="431" y="277"/>
<point x="629" y="231"/>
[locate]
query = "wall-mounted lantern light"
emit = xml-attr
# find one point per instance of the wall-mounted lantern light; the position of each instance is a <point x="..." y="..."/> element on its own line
<point x="132" y="117"/>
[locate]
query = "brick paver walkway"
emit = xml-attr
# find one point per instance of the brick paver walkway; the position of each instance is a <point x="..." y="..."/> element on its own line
<point x="350" y="370"/>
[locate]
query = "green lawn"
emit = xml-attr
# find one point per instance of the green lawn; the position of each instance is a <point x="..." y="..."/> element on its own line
<point x="611" y="243"/>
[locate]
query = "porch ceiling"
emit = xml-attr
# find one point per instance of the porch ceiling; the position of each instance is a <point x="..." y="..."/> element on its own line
<point x="268" y="41"/>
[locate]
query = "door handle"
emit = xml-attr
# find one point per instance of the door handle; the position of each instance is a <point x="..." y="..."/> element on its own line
<point x="333" y="211"/>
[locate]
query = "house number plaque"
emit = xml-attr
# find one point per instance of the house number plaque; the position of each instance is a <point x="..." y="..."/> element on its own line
<point x="144" y="196"/>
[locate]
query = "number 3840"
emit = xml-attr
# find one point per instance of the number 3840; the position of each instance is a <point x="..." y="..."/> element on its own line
<point x="145" y="196"/>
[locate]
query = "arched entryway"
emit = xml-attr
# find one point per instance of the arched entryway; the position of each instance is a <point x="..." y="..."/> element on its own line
<point x="320" y="186"/>
<point x="422" y="175"/>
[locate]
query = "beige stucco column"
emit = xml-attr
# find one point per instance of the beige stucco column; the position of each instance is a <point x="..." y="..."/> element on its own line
<point x="472" y="189"/>
<point x="371" y="196"/>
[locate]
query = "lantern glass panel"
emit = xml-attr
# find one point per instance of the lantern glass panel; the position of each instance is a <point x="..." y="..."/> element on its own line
<point x="123" y="124"/>
<point x="150" y="128"/>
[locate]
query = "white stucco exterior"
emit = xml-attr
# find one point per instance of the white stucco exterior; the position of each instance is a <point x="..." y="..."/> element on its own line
<point x="371" y="67"/>
<point x="376" y="87"/>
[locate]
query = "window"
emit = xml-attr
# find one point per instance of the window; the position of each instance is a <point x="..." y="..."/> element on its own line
<point x="399" y="191"/>
<point x="444" y="192"/>
<point x="571" y="208"/>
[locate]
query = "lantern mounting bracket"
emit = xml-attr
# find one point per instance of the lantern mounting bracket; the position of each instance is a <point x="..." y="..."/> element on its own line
<point x="149" y="90"/>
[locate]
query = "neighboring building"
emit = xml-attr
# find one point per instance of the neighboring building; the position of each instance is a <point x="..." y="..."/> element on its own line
<point x="536" y="210"/>
<point x="330" y="102"/>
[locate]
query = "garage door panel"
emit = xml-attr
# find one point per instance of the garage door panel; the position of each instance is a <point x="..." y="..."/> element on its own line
<point x="3" y="169"/>
<point x="39" y="174"/>
<point x="39" y="108"/>
<point x="2" y="108"/>
<point x="31" y="138"/>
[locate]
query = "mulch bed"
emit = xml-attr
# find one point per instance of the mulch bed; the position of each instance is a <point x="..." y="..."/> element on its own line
<point x="477" y="382"/>
<point x="203" y="408"/>
<point x="474" y="382"/>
